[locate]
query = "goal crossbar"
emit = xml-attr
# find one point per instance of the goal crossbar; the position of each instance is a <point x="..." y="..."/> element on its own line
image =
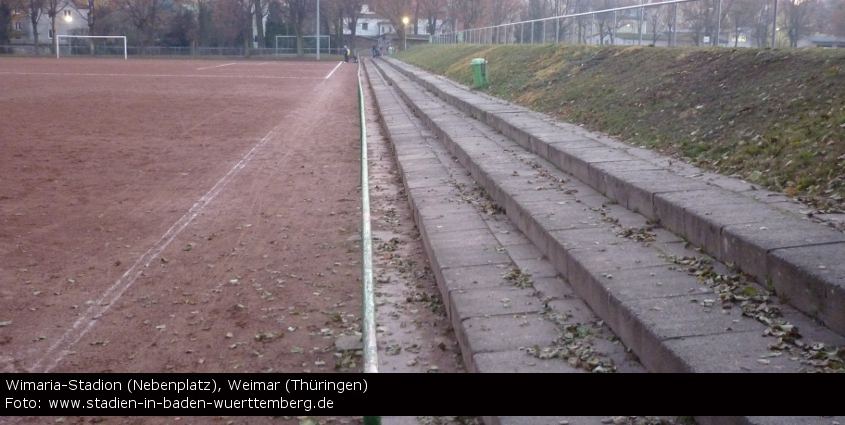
<point x="125" y="49"/>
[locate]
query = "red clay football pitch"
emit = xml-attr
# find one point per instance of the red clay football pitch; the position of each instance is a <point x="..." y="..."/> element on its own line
<point x="161" y="215"/>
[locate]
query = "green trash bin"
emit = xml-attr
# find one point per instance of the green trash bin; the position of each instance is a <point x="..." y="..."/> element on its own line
<point x="479" y="72"/>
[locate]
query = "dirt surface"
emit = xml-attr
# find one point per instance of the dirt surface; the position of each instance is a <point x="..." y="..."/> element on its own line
<point x="179" y="216"/>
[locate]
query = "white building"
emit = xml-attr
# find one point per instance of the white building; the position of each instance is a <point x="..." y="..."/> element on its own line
<point x="372" y="25"/>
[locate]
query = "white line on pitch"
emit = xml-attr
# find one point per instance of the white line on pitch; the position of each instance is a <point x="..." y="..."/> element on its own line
<point x="215" y="66"/>
<point x="335" y="69"/>
<point x="116" y="290"/>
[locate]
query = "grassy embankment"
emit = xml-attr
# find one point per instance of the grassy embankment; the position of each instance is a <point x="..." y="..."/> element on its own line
<point x="773" y="117"/>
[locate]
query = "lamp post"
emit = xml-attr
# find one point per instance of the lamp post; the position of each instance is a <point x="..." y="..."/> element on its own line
<point x="405" y="21"/>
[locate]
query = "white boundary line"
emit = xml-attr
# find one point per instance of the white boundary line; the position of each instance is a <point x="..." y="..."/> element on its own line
<point x="116" y="290"/>
<point x="215" y="66"/>
<point x="333" y="70"/>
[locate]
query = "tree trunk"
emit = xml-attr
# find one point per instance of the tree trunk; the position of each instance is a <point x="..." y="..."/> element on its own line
<point x="91" y="12"/>
<point x="55" y="43"/>
<point x="35" y="34"/>
<point x="259" y="24"/>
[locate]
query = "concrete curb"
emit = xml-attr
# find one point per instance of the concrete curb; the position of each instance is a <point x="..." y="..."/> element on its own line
<point x="493" y="319"/>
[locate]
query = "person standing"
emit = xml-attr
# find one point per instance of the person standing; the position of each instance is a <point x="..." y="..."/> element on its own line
<point x="345" y="53"/>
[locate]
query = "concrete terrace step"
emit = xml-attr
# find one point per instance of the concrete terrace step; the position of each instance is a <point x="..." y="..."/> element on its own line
<point x="473" y="254"/>
<point x="757" y="230"/>
<point x="668" y="317"/>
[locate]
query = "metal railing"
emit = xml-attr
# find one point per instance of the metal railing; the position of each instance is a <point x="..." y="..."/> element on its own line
<point x="369" y="325"/>
<point x="591" y="27"/>
<point x="369" y="305"/>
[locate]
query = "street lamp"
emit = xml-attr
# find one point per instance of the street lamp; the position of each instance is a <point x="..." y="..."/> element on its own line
<point x="405" y="21"/>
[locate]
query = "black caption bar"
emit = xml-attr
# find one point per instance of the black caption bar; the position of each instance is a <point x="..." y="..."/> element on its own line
<point x="119" y="394"/>
<point x="203" y="394"/>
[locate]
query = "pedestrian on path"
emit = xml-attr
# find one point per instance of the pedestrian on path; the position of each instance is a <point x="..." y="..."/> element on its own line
<point x="345" y="53"/>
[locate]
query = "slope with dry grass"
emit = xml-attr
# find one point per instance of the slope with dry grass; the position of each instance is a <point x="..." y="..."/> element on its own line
<point x="774" y="117"/>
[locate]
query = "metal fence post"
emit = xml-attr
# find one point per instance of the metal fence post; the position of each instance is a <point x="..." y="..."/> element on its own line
<point x="544" y="32"/>
<point x="613" y="40"/>
<point x="557" y="30"/>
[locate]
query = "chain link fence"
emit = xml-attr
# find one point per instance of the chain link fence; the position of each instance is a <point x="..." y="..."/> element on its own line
<point x="652" y="23"/>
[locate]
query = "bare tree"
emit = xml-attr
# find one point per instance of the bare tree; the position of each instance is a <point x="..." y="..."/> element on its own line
<point x="579" y="34"/>
<point x="351" y="11"/>
<point x="762" y="21"/>
<point x="797" y="16"/>
<point x="52" y="9"/>
<point x="243" y="11"/>
<point x="144" y="15"/>
<point x="96" y="8"/>
<point x="741" y="16"/>
<point x="33" y="10"/>
<point x="606" y="22"/>
<point x="260" y="11"/>
<point x="394" y="11"/>
<point x="205" y="22"/>
<point x="503" y="12"/>
<point x="221" y="28"/>
<point x="559" y="8"/>
<point x="701" y="17"/>
<point x="6" y="8"/>
<point x="298" y="11"/>
<point x="827" y="18"/>
<point x="469" y="12"/>
<point x="836" y="18"/>
<point x="658" y="19"/>
<point x="429" y="10"/>
<point x="536" y="9"/>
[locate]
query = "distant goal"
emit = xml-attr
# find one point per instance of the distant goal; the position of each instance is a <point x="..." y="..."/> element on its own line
<point x="92" y="45"/>
<point x="286" y="44"/>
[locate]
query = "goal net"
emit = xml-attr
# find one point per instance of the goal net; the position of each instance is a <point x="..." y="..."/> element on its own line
<point x="286" y="44"/>
<point x="92" y="45"/>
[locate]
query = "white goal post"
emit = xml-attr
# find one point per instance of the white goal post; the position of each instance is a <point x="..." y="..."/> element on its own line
<point x="125" y="49"/>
